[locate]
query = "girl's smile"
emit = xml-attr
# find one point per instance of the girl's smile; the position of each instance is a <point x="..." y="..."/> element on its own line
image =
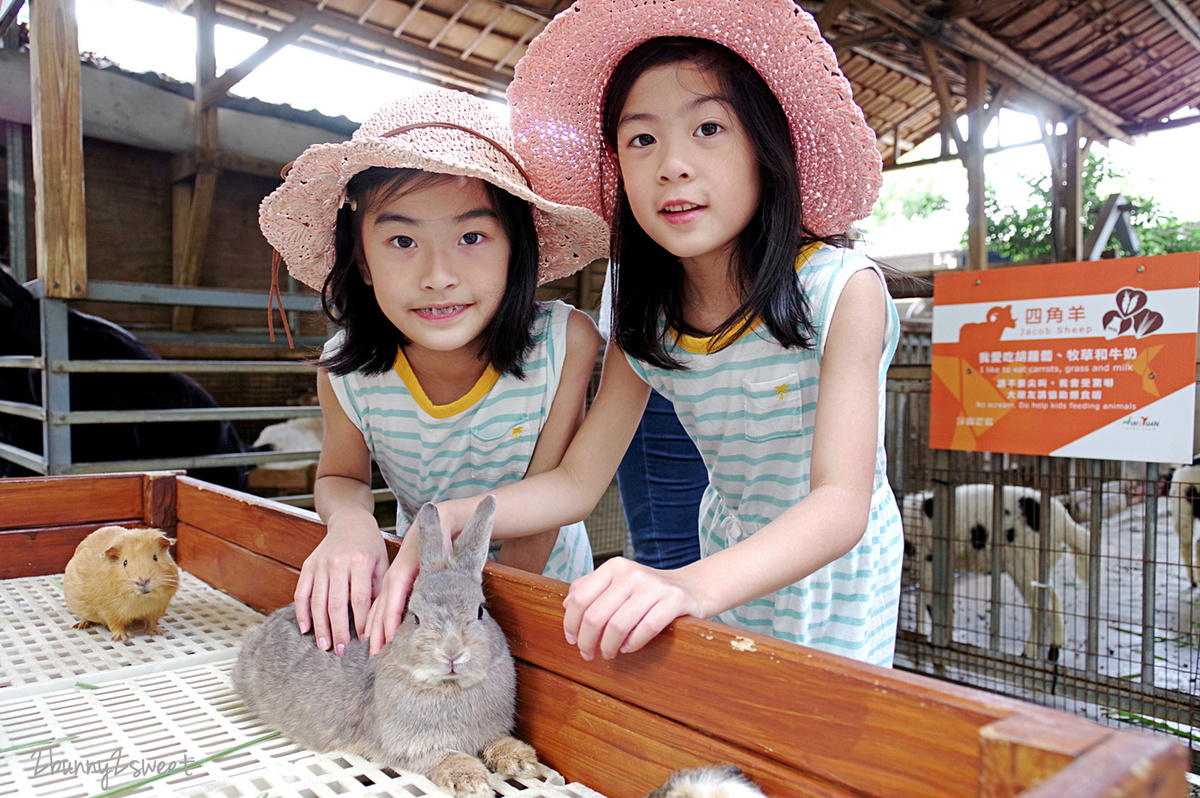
<point x="437" y="258"/>
<point x="688" y="167"/>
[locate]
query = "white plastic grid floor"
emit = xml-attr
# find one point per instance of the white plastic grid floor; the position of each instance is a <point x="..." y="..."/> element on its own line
<point x="37" y="642"/>
<point x="140" y="708"/>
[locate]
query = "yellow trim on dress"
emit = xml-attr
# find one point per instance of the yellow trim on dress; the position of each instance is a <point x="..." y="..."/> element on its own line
<point x="484" y="384"/>
<point x="706" y="345"/>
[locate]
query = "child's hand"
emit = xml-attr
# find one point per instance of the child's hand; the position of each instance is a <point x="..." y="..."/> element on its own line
<point x="621" y="606"/>
<point x="342" y="574"/>
<point x="388" y="609"/>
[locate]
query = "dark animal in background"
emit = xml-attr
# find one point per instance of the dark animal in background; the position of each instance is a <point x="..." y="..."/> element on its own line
<point x="971" y="532"/>
<point x="93" y="338"/>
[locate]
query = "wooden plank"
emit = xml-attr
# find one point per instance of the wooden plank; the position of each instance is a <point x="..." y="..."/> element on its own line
<point x="56" y="501"/>
<point x="621" y="750"/>
<point x="57" y="149"/>
<point x="253" y="579"/>
<point x="203" y="193"/>
<point x="806" y="709"/>
<point x="1023" y="750"/>
<point x="272" y="530"/>
<point x="45" y="550"/>
<point x="158" y="499"/>
<point x="213" y="92"/>
<point x="1126" y="764"/>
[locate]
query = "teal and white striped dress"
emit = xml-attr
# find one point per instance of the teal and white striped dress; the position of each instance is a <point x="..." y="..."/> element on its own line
<point x="750" y="407"/>
<point x="431" y="453"/>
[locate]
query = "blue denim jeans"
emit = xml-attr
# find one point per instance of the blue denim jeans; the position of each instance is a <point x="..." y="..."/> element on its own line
<point x="662" y="480"/>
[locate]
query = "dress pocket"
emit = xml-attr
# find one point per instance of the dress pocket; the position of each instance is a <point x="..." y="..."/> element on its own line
<point x="772" y="407"/>
<point x="502" y="448"/>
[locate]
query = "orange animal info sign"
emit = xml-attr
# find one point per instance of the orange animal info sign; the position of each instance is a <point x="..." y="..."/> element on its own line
<point x="1094" y="359"/>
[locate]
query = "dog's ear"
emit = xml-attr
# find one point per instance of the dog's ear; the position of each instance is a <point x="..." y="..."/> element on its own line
<point x="1031" y="508"/>
<point x="927" y="507"/>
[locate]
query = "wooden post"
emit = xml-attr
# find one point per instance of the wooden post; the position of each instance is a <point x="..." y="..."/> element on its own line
<point x="186" y="268"/>
<point x="1072" y="193"/>
<point x="57" y="149"/>
<point x="973" y="160"/>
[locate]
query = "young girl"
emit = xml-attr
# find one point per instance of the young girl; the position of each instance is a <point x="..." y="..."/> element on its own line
<point x="427" y="244"/>
<point x="721" y="140"/>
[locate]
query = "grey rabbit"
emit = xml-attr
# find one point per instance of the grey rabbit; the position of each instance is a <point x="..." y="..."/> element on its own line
<point x="438" y="695"/>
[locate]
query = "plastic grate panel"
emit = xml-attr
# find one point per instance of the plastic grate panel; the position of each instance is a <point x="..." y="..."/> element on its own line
<point x="139" y="708"/>
<point x="37" y="642"/>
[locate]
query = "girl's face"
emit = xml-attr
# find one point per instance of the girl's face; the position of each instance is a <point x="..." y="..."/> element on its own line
<point x="689" y="170"/>
<point x="437" y="259"/>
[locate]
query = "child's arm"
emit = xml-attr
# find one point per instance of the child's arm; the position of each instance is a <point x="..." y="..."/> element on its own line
<point x="531" y="552"/>
<point x="553" y="498"/>
<point x="568" y="493"/>
<point x="623" y="605"/>
<point x="345" y="569"/>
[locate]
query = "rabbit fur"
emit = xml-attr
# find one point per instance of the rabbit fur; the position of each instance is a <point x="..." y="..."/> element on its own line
<point x="435" y="696"/>
<point x="715" y="781"/>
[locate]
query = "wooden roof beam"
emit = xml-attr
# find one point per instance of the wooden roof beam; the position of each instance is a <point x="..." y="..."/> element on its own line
<point x="829" y="14"/>
<point x="969" y="40"/>
<point x="405" y="50"/>
<point x="1181" y="18"/>
<point x="216" y="89"/>
<point x="948" y="116"/>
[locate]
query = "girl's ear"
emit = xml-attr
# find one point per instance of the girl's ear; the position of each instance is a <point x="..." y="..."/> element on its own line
<point x="364" y="271"/>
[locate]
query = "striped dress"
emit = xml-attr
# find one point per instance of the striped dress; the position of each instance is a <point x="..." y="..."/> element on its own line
<point x="750" y="407"/>
<point x="431" y="453"/>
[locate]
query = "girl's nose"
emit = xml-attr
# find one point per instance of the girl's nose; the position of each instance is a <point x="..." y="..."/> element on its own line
<point x="673" y="166"/>
<point x="439" y="273"/>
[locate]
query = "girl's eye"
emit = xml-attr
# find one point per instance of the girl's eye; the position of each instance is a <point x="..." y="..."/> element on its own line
<point x="471" y="238"/>
<point x="643" y="140"/>
<point x="404" y="242"/>
<point x="708" y="129"/>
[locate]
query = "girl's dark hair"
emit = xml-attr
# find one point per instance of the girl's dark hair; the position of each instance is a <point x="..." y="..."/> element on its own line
<point x="371" y="338"/>
<point x="648" y="280"/>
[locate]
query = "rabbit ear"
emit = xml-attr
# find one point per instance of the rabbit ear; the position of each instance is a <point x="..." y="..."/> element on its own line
<point x="429" y="536"/>
<point x="471" y="547"/>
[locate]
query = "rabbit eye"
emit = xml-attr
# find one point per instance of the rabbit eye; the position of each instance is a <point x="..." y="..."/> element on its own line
<point x="416" y="620"/>
<point x="481" y="612"/>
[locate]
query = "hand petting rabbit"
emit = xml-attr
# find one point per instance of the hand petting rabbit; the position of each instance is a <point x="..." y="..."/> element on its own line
<point x="437" y="696"/>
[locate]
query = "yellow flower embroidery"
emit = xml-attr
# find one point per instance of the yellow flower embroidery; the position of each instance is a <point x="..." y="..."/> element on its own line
<point x="517" y="432"/>
<point x="780" y="390"/>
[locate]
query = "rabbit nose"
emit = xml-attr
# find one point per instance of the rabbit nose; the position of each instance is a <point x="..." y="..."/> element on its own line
<point x="143" y="584"/>
<point x="457" y="659"/>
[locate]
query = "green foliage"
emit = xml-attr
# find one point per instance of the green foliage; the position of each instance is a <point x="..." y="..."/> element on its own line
<point x="915" y="201"/>
<point x="1023" y="234"/>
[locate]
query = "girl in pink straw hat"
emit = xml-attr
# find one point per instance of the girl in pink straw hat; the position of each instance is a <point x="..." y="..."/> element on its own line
<point x="427" y="243"/>
<point x="721" y="141"/>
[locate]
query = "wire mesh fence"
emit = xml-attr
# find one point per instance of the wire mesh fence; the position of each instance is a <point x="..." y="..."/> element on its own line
<point x="1060" y="581"/>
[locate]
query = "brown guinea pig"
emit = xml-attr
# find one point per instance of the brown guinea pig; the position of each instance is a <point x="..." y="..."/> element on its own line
<point x="121" y="577"/>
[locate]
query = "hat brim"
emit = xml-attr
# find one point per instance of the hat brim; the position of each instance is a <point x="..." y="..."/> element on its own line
<point x="557" y="92"/>
<point x="299" y="218"/>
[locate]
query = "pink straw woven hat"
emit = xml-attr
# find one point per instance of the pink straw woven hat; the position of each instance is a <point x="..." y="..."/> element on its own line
<point x="439" y="130"/>
<point x="557" y="93"/>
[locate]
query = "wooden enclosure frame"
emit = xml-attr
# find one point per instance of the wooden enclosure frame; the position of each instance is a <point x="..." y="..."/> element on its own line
<point x="798" y="721"/>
